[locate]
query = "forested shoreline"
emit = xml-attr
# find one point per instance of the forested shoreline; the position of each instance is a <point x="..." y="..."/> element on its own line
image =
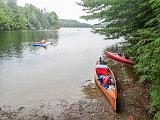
<point x="137" y="21"/>
<point x="14" y="17"/>
<point x="72" y="23"/>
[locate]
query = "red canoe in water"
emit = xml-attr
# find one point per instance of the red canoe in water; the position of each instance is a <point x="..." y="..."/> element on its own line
<point x="118" y="57"/>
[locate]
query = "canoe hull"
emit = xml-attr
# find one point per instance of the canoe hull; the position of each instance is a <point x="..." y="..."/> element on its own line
<point x="111" y="95"/>
<point x="119" y="58"/>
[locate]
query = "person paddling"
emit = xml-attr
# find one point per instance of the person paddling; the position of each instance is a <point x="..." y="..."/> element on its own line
<point x="44" y="41"/>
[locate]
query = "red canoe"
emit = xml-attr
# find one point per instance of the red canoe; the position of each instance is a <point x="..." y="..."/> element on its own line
<point x="118" y="57"/>
<point x="111" y="91"/>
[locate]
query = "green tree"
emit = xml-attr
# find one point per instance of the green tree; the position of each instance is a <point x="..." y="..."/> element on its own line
<point x="138" y="22"/>
<point x="27" y="17"/>
<point x="121" y="17"/>
<point x="5" y="21"/>
<point x="53" y="20"/>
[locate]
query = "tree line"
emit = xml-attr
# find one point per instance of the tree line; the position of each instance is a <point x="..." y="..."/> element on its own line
<point x="72" y="23"/>
<point x="16" y="17"/>
<point x="138" y="22"/>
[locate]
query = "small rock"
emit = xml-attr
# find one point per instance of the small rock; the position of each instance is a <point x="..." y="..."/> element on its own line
<point x="21" y="108"/>
<point x="45" y="117"/>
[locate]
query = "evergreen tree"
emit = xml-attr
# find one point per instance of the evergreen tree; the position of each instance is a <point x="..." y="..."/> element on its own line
<point x="138" y="22"/>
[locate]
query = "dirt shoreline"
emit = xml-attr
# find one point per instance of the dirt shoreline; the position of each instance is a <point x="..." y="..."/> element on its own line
<point x="94" y="108"/>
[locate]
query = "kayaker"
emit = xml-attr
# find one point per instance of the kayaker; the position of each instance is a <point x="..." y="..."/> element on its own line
<point x="44" y="41"/>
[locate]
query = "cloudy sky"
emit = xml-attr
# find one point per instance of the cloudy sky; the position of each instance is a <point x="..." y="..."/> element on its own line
<point x="66" y="9"/>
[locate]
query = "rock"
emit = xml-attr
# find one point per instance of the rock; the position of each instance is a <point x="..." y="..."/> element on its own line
<point x="20" y="108"/>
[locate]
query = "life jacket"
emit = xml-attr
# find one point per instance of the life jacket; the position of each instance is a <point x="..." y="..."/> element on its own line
<point x="106" y="80"/>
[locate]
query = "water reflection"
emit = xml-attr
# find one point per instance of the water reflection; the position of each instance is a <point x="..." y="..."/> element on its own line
<point x="15" y="43"/>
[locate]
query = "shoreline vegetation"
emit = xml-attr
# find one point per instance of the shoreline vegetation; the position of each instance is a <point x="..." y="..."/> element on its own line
<point x="14" y="17"/>
<point x="73" y="24"/>
<point x="29" y="17"/>
<point x="138" y="23"/>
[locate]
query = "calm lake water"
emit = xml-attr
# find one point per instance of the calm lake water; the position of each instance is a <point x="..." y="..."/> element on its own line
<point x="30" y="75"/>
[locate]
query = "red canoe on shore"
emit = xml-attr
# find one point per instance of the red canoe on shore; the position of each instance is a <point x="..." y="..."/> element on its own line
<point x="118" y="57"/>
<point x="111" y="91"/>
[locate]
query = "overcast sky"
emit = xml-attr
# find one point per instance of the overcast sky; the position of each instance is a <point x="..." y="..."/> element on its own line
<point x="66" y="9"/>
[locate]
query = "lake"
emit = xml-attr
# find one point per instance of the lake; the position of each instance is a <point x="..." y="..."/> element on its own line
<point x="57" y="81"/>
<point x="30" y="75"/>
